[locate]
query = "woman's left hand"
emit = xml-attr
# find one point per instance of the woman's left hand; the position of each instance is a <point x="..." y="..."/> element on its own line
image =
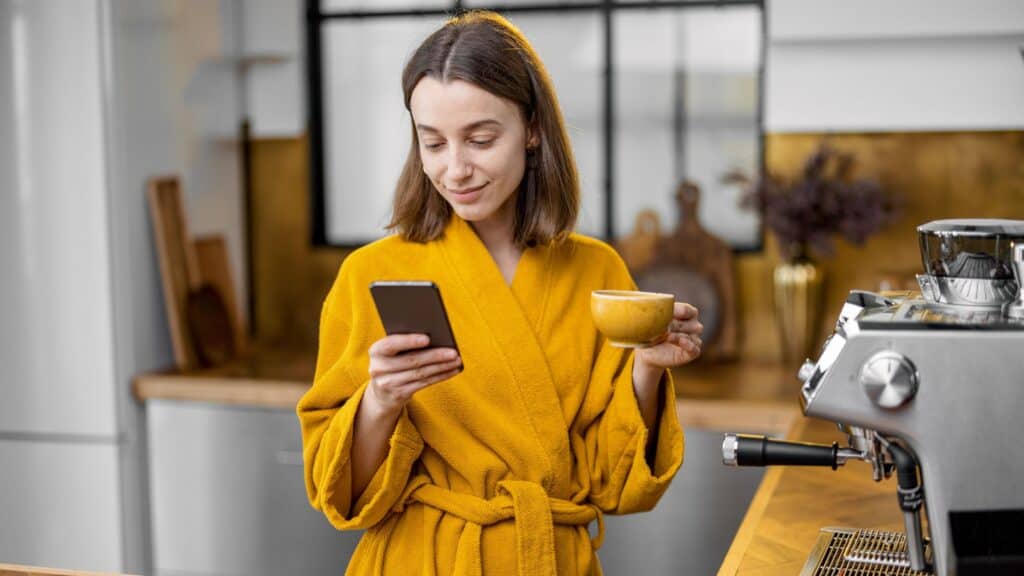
<point x="682" y="344"/>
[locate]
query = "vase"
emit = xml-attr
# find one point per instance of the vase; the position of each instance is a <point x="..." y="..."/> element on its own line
<point x="798" y="296"/>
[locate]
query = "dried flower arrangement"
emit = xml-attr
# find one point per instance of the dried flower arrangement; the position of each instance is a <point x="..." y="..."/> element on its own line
<point x="806" y="214"/>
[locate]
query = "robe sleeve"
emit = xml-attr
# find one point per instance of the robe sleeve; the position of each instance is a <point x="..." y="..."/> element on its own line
<point x="613" y="434"/>
<point x="327" y="417"/>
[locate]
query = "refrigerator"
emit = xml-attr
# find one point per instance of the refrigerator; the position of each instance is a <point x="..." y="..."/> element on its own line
<point x="93" y="101"/>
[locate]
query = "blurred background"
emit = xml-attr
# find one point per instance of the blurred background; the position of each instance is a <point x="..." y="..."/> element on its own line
<point x="180" y="180"/>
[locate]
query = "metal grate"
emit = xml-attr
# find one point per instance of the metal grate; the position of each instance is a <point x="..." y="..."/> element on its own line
<point x="851" y="552"/>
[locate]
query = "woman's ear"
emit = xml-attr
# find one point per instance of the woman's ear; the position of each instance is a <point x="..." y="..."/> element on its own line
<point x="532" y="134"/>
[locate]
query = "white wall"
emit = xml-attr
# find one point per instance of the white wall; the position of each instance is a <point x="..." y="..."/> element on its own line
<point x="877" y="65"/>
<point x="172" y="107"/>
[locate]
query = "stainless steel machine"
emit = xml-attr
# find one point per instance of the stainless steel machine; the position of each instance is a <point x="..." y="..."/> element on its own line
<point x="929" y="386"/>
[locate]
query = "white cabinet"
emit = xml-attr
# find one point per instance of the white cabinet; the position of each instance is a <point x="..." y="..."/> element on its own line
<point x="60" y="505"/>
<point x="228" y="495"/>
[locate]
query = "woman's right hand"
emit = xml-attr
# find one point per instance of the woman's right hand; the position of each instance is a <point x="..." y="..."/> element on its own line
<point x="395" y="377"/>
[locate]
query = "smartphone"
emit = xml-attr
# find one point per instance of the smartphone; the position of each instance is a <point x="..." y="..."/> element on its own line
<point x="413" y="307"/>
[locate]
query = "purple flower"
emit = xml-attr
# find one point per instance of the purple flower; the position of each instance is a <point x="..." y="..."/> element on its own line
<point x="806" y="215"/>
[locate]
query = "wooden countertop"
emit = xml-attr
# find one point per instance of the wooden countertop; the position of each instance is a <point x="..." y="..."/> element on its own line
<point x="793" y="503"/>
<point x="12" y="570"/>
<point x="731" y="396"/>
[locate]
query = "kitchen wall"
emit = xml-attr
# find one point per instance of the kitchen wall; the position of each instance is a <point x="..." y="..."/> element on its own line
<point x="937" y="175"/>
<point x="926" y="94"/>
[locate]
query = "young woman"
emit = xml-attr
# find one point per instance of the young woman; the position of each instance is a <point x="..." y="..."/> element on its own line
<point x="501" y="467"/>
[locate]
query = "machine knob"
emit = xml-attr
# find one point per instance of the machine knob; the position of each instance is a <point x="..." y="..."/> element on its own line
<point x="806" y="370"/>
<point x="889" y="379"/>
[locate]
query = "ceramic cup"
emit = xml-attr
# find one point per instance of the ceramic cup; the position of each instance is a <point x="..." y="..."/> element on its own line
<point x="632" y="319"/>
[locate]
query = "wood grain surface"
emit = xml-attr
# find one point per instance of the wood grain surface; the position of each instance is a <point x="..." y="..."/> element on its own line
<point x="179" y="268"/>
<point x="15" y="570"/>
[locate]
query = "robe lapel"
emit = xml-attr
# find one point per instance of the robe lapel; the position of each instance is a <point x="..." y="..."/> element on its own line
<point x="514" y="331"/>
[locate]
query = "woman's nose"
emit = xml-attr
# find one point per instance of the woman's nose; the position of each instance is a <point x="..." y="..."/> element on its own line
<point x="459" y="167"/>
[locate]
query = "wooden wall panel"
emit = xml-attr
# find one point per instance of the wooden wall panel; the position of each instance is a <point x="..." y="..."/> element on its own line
<point x="939" y="175"/>
<point x="291" y="278"/>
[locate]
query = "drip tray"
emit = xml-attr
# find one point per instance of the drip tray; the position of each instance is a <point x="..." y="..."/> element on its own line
<point x="854" y="552"/>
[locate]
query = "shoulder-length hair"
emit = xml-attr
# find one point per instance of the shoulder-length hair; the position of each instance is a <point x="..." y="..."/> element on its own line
<point x="485" y="49"/>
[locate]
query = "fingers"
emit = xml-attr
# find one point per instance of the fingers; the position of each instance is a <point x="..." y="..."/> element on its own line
<point x="684" y="311"/>
<point x="398" y="343"/>
<point x="685" y="319"/>
<point x="441" y="377"/>
<point x="394" y="380"/>
<point x="692" y="326"/>
<point x="690" y="343"/>
<point x="412" y="360"/>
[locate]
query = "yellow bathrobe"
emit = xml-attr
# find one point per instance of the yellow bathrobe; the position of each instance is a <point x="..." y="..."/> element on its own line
<point x="500" y="469"/>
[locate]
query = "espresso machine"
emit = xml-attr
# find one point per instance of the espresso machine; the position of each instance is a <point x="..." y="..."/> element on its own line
<point x="928" y="386"/>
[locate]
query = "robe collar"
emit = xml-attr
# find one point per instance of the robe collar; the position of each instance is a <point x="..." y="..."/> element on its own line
<point x="514" y="314"/>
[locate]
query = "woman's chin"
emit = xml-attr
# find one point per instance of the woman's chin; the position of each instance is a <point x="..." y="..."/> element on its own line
<point x="471" y="212"/>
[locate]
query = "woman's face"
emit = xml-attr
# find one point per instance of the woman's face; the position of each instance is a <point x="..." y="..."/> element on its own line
<point x="473" y="148"/>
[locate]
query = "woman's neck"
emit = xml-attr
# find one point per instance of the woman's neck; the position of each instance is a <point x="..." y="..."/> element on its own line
<point x="498" y="236"/>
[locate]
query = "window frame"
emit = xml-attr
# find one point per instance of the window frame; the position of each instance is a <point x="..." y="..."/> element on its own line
<point x="316" y="18"/>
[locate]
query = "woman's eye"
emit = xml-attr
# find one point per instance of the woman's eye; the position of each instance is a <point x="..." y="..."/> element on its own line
<point x="432" y="145"/>
<point x="482" y="142"/>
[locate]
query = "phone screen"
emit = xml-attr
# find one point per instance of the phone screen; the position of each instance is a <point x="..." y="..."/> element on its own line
<point x="413" y="307"/>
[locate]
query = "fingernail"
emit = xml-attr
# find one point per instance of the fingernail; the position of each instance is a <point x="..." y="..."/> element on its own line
<point x="450" y="354"/>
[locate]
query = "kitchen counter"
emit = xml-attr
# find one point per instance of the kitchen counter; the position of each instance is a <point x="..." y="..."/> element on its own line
<point x="12" y="570"/>
<point x="793" y="503"/>
<point x="736" y="396"/>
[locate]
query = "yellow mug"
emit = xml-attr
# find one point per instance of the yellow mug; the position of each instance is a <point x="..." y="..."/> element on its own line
<point x="630" y="318"/>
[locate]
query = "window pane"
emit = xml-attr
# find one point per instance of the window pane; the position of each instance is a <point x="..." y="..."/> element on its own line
<point x="366" y="127"/>
<point x="366" y="5"/>
<point x="490" y="3"/>
<point x="574" y="63"/>
<point x="686" y="104"/>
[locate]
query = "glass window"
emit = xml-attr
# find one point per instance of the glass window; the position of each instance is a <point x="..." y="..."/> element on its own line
<point x="349" y="5"/>
<point x="367" y="132"/>
<point x="685" y="104"/>
<point x="574" y="63"/>
<point x="686" y="107"/>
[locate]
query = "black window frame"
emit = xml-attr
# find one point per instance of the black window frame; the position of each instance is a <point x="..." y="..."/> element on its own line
<point x="316" y="18"/>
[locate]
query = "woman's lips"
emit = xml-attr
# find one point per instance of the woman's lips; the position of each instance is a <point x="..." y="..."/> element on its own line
<point x="466" y="196"/>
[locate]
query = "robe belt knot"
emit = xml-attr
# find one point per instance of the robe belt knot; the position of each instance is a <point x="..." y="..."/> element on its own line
<point x="534" y="512"/>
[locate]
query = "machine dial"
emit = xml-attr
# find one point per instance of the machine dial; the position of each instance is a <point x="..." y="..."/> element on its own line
<point x="889" y="379"/>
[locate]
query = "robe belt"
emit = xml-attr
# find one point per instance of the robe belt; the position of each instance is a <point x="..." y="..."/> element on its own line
<point x="534" y="512"/>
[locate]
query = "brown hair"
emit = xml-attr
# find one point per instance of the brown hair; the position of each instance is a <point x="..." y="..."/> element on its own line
<point x="485" y="49"/>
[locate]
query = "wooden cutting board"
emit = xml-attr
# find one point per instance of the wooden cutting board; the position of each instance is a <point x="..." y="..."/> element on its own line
<point x="179" y="268"/>
<point x="199" y="297"/>
<point x="695" y="265"/>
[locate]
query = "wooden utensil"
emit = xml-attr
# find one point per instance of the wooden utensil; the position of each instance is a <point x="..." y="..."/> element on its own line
<point x="210" y="326"/>
<point x="214" y="268"/>
<point x="701" y="266"/>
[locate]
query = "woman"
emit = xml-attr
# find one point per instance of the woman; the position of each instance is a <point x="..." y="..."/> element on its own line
<point x="501" y="467"/>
